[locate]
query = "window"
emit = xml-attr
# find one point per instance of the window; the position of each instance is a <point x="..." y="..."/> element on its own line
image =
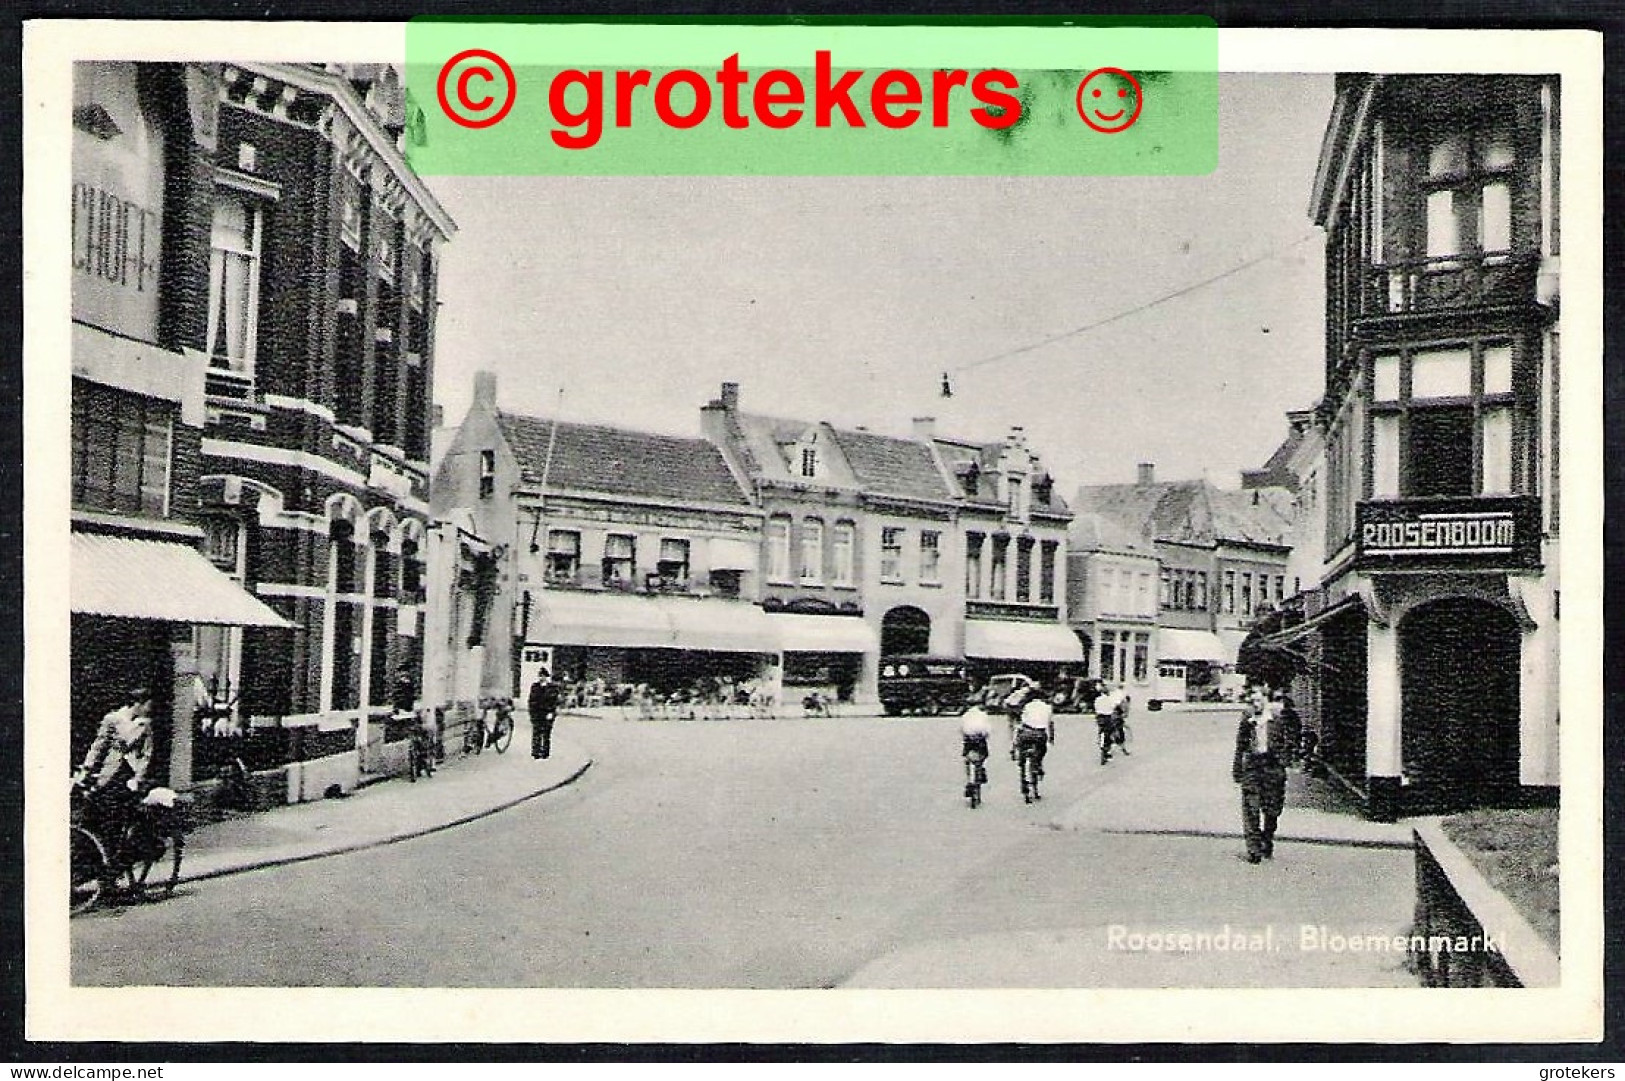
<point x="1246" y="593"/>
<point x="1201" y="591"/>
<point x="930" y="556"/>
<point x="812" y="551"/>
<point x="563" y="555"/>
<point x="891" y="554"/>
<point x="844" y="541"/>
<point x="1227" y="603"/>
<point x="1108" y="589"/>
<point x="234" y="284"/>
<point x="778" y="550"/>
<point x="1442" y="422"/>
<point x="673" y="565"/>
<point x="809" y="461"/>
<point x="488" y="473"/>
<point x="1108" y="655"/>
<point x="973" y="565"/>
<point x="1047" y="561"/>
<point x="620" y="559"/>
<point x="1467" y="193"/>
<point x="1165" y="588"/>
<point x="121" y="450"/>
<point x="1142" y="656"/>
<point x="1018" y="505"/>
<point x="385" y="252"/>
<point x="726" y="583"/>
<point x="996" y="585"/>
<point x="1024" y="569"/>
<point x="1142" y="593"/>
<point x="350" y="219"/>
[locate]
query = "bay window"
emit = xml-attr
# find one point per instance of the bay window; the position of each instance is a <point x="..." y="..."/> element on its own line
<point x="1442" y="422"/>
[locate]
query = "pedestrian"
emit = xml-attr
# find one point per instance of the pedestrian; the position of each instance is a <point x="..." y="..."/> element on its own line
<point x="543" y="706"/>
<point x="1105" y="710"/>
<point x="1259" y="768"/>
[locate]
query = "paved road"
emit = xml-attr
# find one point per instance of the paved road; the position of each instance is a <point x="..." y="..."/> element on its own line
<point x="779" y="854"/>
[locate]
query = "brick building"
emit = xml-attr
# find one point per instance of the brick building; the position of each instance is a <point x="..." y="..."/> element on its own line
<point x="319" y="290"/>
<point x="142" y="596"/>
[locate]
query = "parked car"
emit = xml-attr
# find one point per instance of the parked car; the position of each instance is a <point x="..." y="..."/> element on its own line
<point x="921" y="683"/>
<point x="996" y="695"/>
<point x="1074" y="694"/>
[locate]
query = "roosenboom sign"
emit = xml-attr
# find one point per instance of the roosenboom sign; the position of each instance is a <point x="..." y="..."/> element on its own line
<point x="1472" y="532"/>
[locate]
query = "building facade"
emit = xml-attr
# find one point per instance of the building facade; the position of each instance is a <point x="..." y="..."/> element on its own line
<point x="1114" y="602"/>
<point x="318" y="343"/>
<point x="1013" y="532"/>
<point x="1221" y="566"/>
<point x="623" y="560"/>
<point x="815" y="565"/>
<point x="146" y="603"/>
<point x="1435" y="613"/>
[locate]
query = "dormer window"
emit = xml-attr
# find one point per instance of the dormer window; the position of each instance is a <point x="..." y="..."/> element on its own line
<point x="971" y="478"/>
<point x="1016" y="488"/>
<point x="809" y="461"/>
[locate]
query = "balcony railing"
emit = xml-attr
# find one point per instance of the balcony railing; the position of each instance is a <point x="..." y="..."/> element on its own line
<point x="1449" y="282"/>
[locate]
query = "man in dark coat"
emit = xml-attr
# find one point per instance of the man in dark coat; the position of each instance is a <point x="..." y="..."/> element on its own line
<point x="543" y="705"/>
<point x="1260" y="768"/>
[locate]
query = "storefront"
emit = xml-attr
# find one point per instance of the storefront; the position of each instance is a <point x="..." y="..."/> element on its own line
<point x="824" y="654"/>
<point x="137" y="605"/>
<point x="1040" y="650"/>
<point x="669" y="645"/>
<point x="1191" y="665"/>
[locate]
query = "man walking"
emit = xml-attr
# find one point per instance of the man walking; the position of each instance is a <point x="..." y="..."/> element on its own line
<point x="1259" y="767"/>
<point x="543" y="705"/>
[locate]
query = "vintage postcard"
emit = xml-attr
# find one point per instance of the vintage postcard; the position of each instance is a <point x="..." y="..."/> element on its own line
<point x="955" y="532"/>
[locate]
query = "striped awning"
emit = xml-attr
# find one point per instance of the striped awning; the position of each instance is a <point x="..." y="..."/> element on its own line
<point x="130" y="578"/>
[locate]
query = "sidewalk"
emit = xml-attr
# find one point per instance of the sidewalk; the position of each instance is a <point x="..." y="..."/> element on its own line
<point x="1182" y="787"/>
<point x="462" y="789"/>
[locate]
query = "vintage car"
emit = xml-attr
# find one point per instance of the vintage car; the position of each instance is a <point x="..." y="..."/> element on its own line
<point x="922" y="683"/>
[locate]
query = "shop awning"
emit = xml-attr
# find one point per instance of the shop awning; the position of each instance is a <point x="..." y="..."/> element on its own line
<point x="1014" y="641"/>
<point x="799" y="633"/>
<point x="567" y="618"/>
<point x="162" y="580"/>
<point x="721" y="626"/>
<point x="1183" y="644"/>
<point x="631" y="621"/>
<point x="732" y="555"/>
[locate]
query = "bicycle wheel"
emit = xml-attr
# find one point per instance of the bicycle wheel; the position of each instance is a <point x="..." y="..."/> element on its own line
<point x="87" y="869"/>
<point x="156" y="866"/>
<point x="503" y="736"/>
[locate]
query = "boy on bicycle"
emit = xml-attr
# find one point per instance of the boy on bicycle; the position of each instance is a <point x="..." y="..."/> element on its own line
<point x="974" y="731"/>
<point x="1036" y="730"/>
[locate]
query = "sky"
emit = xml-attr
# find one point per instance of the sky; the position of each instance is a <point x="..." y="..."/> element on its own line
<point x="845" y="299"/>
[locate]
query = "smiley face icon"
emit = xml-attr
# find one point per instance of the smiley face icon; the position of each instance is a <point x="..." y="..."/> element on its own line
<point x="1109" y="100"/>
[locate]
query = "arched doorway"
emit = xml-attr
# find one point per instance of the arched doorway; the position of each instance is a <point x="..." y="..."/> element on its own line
<point x="1459" y="661"/>
<point x="905" y="629"/>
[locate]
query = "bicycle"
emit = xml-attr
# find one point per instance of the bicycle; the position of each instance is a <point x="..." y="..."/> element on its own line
<point x="144" y="864"/>
<point x="501" y="732"/>
<point x="1031" y="761"/>
<point x="975" y="775"/>
<point x="1112" y="731"/>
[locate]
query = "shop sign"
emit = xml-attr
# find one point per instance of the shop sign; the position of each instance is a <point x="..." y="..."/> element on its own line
<point x="1495" y="532"/>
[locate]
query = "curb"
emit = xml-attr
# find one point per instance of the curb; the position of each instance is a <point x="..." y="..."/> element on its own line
<point x="1337" y="842"/>
<point x="1526" y="953"/>
<point x="303" y="857"/>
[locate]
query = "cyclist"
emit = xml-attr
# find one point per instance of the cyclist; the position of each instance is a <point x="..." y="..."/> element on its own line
<point x="974" y="730"/>
<point x="1036" y="730"/>
<point x="116" y="764"/>
<point x="1106" y="720"/>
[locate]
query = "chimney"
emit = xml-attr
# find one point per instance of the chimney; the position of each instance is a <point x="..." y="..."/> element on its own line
<point x="730" y="397"/>
<point x="485" y="389"/>
<point x="925" y="428"/>
<point x="1147" y="473"/>
<point x="1017" y="436"/>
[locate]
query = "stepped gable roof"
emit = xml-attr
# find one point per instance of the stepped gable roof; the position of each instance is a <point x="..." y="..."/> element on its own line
<point x="958" y="456"/>
<point x="887" y="465"/>
<point x="617" y="461"/>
